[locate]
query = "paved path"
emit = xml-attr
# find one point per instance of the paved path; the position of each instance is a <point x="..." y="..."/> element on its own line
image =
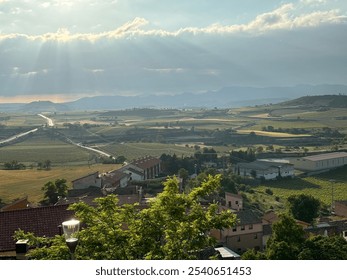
<point x="49" y="120"/>
<point x="15" y="137"/>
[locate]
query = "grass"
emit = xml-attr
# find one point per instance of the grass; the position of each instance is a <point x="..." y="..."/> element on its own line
<point x="40" y="148"/>
<point x="134" y="150"/>
<point x="318" y="186"/>
<point x="19" y="183"/>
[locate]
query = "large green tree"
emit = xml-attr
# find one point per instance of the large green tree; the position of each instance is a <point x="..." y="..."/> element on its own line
<point x="174" y="226"/>
<point x="289" y="242"/>
<point x="304" y="207"/>
<point x="286" y="239"/>
<point x="324" y="248"/>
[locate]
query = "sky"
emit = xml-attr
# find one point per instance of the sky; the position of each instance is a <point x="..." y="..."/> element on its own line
<point x="64" y="50"/>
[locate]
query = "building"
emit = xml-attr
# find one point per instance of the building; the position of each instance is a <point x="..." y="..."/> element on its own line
<point x="17" y="205"/>
<point x="233" y="201"/>
<point x="143" y="168"/>
<point x="267" y="170"/>
<point x="114" y="179"/>
<point x="340" y="208"/>
<point x="247" y="234"/>
<point x="135" y="173"/>
<point x="91" y="180"/>
<point x="320" y="162"/>
<point x="42" y="221"/>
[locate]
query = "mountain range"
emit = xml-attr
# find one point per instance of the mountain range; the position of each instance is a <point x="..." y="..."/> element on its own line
<point x="227" y="97"/>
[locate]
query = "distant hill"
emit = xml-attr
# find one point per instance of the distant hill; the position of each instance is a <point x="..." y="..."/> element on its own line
<point x="226" y="97"/>
<point x="44" y="106"/>
<point x="335" y="101"/>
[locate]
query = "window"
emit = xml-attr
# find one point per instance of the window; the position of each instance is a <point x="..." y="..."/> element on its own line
<point x="236" y="202"/>
<point x="255" y="236"/>
<point x="242" y="227"/>
<point x="229" y="204"/>
<point x="234" y="229"/>
<point x="250" y="226"/>
<point x="345" y="233"/>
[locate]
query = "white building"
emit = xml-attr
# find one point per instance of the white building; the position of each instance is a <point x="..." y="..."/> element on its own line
<point x="320" y="162"/>
<point x="265" y="169"/>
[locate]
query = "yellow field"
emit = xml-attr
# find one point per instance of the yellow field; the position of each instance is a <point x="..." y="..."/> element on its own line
<point x="19" y="183"/>
<point x="272" y="134"/>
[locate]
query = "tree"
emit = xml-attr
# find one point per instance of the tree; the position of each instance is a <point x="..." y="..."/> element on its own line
<point x="324" y="248"/>
<point x="304" y="207"/>
<point x="286" y="239"/>
<point x="174" y="226"/>
<point x="47" y="164"/>
<point x="288" y="242"/>
<point x="52" y="191"/>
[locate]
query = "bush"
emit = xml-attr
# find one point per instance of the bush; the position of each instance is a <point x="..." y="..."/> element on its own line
<point x="269" y="191"/>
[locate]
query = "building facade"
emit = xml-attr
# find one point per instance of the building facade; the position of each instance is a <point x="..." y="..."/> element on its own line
<point x="319" y="162"/>
<point x="264" y="169"/>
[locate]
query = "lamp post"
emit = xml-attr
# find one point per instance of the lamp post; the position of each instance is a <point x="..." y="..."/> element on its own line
<point x="71" y="229"/>
<point x="332" y="181"/>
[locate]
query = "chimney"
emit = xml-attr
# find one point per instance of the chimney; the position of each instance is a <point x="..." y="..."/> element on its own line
<point x="22" y="248"/>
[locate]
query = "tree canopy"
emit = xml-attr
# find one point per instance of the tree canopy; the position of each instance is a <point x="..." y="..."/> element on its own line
<point x="175" y="225"/>
<point x="54" y="190"/>
<point x="289" y="242"/>
<point x="304" y="207"/>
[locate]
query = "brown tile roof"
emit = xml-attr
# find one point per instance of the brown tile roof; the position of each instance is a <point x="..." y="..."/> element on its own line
<point x="247" y="217"/>
<point x="16" y="205"/>
<point x="146" y="162"/>
<point x="95" y="174"/>
<point x="42" y="221"/>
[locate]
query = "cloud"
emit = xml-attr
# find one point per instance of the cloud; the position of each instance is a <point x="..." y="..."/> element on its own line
<point x="166" y="70"/>
<point x="95" y="71"/>
<point x="282" y="18"/>
<point x="314" y="2"/>
<point x="288" y="45"/>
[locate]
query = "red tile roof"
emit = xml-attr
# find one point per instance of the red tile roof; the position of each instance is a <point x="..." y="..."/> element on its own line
<point x="42" y="221"/>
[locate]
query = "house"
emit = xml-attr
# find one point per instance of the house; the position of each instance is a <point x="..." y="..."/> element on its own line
<point x="340" y="208"/>
<point x="247" y="234"/>
<point x="91" y="180"/>
<point x="42" y="221"/>
<point x="233" y="201"/>
<point x="320" y="162"/>
<point x="151" y="166"/>
<point x="17" y="205"/>
<point x="113" y="180"/>
<point x="143" y="168"/>
<point x="267" y="170"/>
<point x="135" y="173"/>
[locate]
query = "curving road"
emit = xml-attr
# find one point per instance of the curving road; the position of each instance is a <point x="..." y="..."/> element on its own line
<point x="49" y="120"/>
<point x="50" y="123"/>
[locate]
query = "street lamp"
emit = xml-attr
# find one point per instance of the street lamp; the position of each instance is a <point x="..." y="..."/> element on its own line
<point x="71" y="229"/>
<point x="332" y="181"/>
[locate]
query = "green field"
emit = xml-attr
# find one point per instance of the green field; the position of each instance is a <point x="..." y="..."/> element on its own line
<point x="318" y="186"/>
<point x="141" y="132"/>
<point x="39" y="148"/>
